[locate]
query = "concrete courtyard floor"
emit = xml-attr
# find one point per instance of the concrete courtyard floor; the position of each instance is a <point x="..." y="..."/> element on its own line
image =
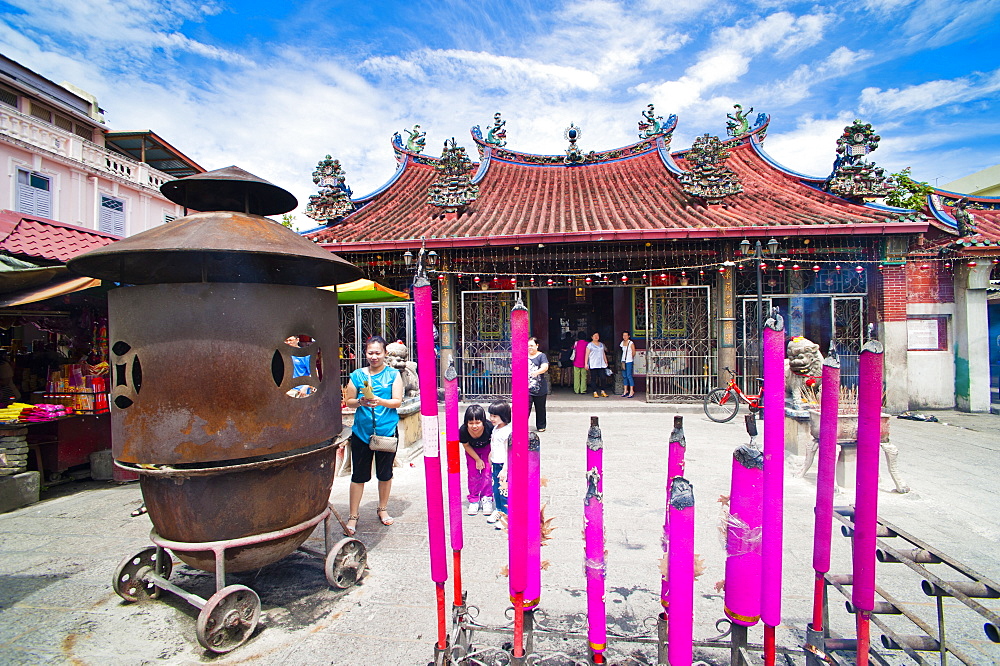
<point x="57" y="557"/>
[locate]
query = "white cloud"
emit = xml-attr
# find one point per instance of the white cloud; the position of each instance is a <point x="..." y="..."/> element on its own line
<point x="811" y="147"/>
<point x="120" y="33"/>
<point x="931" y="94"/>
<point x="797" y="86"/>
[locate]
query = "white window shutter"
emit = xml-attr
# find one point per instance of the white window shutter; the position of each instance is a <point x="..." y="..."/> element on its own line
<point x="112" y="216"/>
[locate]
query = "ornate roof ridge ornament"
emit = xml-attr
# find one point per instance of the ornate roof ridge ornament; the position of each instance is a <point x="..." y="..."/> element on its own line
<point x="497" y="134"/>
<point x="333" y="202"/>
<point x="963" y="218"/>
<point x="853" y="176"/>
<point x="738" y="125"/>
<point x="710" y="179"/>
<point x="453" y="189"/>
<point x="416" y="141"/>
<point x="651" y="125"/>
<point x="573" y="153"/>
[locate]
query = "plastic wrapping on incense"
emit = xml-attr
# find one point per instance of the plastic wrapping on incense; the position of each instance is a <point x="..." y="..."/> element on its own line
<point x="595" y="564"/>
<point x="427" y="376"/>
<point x="743" y="533"/>
<point x="675" y="467"/>
<point x="680" y="570"/>
<point x="517" y="469"/>
<point x="825" y="478"/>
<point x="454" y="474"/>
<point x="866" y="490"/>
<point x="533" y="587"/>
<point x="774" y="469"/>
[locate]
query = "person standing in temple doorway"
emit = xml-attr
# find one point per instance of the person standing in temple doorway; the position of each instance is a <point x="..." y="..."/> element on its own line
<point x="579" y="359"/>
<point x="597" y="363"/>
<point x="628" y="363"/>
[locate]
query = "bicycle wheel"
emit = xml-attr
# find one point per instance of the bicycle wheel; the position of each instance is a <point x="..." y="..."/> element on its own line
<point x="721" y="405"/>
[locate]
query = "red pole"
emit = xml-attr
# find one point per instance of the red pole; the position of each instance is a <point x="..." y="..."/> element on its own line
<point x="770" y="652"/>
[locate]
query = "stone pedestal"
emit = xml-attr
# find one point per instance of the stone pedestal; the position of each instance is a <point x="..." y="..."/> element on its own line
<point x="17" y="490"/>
<point x="797" y="437"/>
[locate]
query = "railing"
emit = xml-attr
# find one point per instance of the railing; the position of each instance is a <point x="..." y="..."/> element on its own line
<point x="897" y="617"/>
<point x="39" y="133"/>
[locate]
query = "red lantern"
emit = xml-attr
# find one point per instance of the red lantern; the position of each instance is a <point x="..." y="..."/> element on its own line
<point x="781" y="267"/>
<point x="701" y="272"/>
<point x="532" y="279"/>
<point x="838" y="267"/>
<point x="859" y="270"/>
<point x="549" y="282"/>
<point x="763" y="266"/>
<point x="459" y="276"/>
<point x="476" y="279"/>
<point x="881" y="267"/>
<point x="441" y="277"/>
<point x="795" y="267"/>
<point x="815" y="268"/>
<point x="513" y="280"/>
<point x="588" y="280"/>
<point x="722" y="269"/>
<point x="971" y="264"/>
<point x="624" y="278"/>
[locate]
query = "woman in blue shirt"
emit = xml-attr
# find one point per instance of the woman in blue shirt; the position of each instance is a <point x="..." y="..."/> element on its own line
<point x="380" y="412"/>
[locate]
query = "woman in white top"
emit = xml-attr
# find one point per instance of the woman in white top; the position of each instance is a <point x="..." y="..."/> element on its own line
<point x="628" y="363"/>
<point x="597" y="363"/>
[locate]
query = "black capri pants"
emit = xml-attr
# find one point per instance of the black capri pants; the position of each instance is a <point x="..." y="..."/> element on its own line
<point x="361" y="461"/>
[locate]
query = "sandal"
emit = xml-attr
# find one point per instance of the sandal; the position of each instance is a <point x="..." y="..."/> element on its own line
<point x="351" y="531"/>
<point x="388" y="520"/>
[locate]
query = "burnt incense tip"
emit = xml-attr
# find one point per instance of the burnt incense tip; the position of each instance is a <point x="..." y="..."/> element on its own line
<point x="420" y="279"/>
<point x="750" y="422"/>
<point x="518" y="303"/>
<point x="677" y="434"/>
<point x="749" y="457"/>
<point x="774" y="320"/>
<point x="534" y="441"/>
<point x="450" y="374"/>
<point x="678" y="422"/>
<point x="832" y="359"/>
<point x="681" y="493"/>
<point x="873" y="345"/>
<point x="594" y="440"/>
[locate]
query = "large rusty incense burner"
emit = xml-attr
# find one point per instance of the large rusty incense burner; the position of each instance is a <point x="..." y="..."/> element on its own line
<point x="227" y="418"/>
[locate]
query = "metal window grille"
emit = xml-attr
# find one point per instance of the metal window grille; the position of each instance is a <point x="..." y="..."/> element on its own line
<point x="483" y="360"/>
<point x="680" y="354"/>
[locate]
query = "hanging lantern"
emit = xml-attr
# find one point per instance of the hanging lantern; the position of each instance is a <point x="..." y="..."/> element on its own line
<point x="496" y="278"/>
<point x="549" y="282"/>
<point x="815" y="268"/>
<point x="763" y="266"/>
<point x="459" y="276"/>
<point x="924" y="267"/>
<point x="837" y="267"/>
<point x="795" y="267"/>
<point x="722" y="269"/>
<point x="971" y="264"/>
<point x="859" y="270"/>
<point x="513" y="281"/>
<point x="781" y="267"/>
<point x="741" y="266"/>
<point x="881" y="267"/>
<point x="996" y="261"/>
<point x="684" y="273"/>
<point x="476" y="279"/>
<point x="532" y="279"/>
<point x="589" y="280"/>
<point x="624" y="278"/>
<point x="441" y="277"/>
<point x="701" y="272"/>
<point x="663" y="276"/>
<point x="947" y="264"/>
<point x="644" y="277"/>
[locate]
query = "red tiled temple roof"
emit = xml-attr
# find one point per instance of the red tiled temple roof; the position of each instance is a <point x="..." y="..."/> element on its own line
<point x="632" y="198"/>
<point x="985" y="212"/>
<point x="41" y="238"/>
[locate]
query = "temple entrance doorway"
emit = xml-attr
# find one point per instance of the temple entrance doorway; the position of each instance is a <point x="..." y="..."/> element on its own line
<point x="574" y="313"/>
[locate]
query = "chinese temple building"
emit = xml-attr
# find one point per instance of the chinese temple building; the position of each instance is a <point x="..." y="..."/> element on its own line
<point x="660" y="242"/>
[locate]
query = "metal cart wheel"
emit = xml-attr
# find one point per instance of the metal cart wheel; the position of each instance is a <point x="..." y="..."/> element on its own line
<point x="228" y="618"/>
<point x="129" y="581"/>
<point x="346" y="563"/>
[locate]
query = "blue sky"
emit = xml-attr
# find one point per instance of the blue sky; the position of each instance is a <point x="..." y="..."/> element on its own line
<point x="274" y="86"/>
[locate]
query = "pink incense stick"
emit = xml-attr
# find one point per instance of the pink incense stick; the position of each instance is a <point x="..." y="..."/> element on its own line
<point x="427" y="376"/>
<point x="742" y="604"/>
<point x="675" y="467"/>
<point x="774" y="477"/>
<point x="866" y="489"/>
<point x="825" y="473"/>
<point x="454" y="474"/>
<point x="533" y="589"/>
<point x="680" y="568"/>
<point x="517" y="475"/>
<point x="595" y="565"/>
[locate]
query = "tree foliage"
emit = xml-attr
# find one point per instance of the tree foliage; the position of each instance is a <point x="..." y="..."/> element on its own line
<point x="907" y="192"/>
<point x="288" y="220"/>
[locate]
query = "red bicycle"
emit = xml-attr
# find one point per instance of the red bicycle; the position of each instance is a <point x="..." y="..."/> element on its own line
<point x="721" y="404"/>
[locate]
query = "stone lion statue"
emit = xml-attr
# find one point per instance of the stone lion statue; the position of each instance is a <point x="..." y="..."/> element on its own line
<point x="398" y="356"/>
<point x="803" y="368"/>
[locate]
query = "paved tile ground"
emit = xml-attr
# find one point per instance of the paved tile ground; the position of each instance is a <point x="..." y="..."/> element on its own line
<point x="57" y="557"/>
